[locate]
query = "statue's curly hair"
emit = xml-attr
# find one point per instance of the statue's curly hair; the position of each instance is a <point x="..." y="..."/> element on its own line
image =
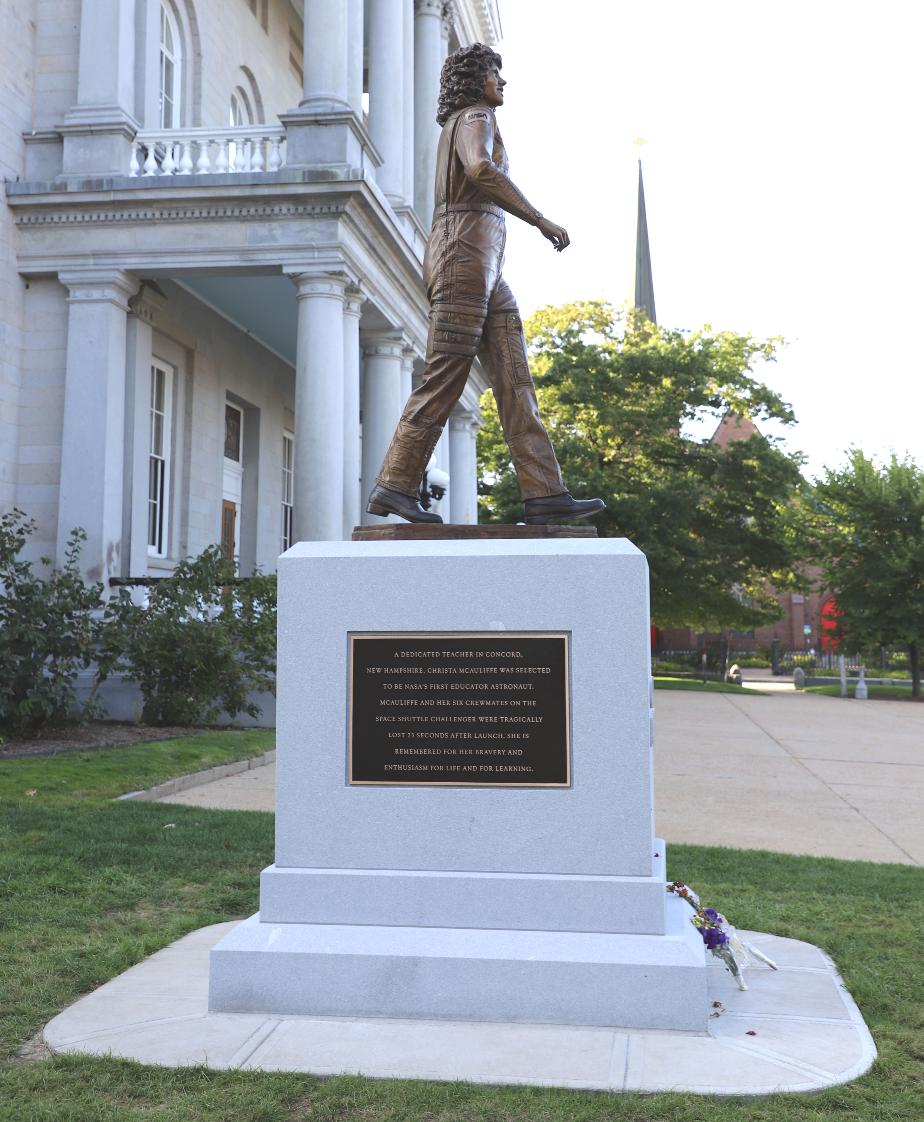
<point x="463" y="77"/>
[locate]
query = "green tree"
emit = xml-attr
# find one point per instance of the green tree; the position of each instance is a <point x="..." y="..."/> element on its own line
<point x="717" y="524"/>
<point x="868" y="530"/>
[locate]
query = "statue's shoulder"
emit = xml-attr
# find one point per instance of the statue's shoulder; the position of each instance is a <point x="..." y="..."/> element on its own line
<point x="477" y="115"/>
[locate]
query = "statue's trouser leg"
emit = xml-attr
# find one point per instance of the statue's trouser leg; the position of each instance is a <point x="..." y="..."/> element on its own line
<point x="461" y="268"/>
<point x="472" y="311"/>
<point x="503" y="356"/>
<point x="422" y="421"/>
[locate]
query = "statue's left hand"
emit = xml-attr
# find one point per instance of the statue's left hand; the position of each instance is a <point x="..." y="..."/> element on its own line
<point x="557" y="235"/>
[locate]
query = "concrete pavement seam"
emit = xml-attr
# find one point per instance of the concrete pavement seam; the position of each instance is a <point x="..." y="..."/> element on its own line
<point x="837" y="795"/>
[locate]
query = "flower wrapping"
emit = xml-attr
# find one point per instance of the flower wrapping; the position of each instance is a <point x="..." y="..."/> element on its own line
<point x="719" y="937"/>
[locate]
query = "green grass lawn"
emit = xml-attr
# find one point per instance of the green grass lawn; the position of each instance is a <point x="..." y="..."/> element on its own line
<point x="91" y="886"/>
<point x="876" y="693"/>
<point x="702" y="687"/>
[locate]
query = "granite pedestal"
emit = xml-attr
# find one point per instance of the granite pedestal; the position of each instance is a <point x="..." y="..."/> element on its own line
<point x="487" y="903"/>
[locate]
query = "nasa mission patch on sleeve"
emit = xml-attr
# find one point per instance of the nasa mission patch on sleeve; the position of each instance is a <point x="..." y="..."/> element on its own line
<point x="477" y="115"/>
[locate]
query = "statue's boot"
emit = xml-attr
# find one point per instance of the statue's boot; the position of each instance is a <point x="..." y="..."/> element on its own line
<point x="539" y="511"/>
<point x="384" y="501"/>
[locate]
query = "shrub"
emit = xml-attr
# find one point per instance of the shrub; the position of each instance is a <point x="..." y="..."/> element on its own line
<point x="201" y="644"/>
<point x="48" y="631"/>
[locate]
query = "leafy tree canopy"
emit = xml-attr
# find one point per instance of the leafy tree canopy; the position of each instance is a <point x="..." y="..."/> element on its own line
<point x="615" y="394"/>
<point x="868" y="533"/>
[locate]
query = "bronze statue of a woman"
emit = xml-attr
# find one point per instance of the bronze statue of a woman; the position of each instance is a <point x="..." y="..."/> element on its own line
<point x="472" y="310"/>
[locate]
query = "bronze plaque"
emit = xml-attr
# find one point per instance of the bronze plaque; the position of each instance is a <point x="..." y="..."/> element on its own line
<point x="463" y="709"/>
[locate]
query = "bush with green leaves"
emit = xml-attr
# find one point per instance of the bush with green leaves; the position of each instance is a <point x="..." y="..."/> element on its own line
<point x="202" y="643"/>
<point x="49" y="626"/>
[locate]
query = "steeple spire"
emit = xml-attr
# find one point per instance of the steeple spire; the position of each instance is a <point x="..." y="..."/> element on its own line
<point x="644" y="284"/>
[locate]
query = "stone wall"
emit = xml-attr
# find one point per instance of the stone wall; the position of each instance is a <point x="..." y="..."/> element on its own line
<point x="231" y="37"/>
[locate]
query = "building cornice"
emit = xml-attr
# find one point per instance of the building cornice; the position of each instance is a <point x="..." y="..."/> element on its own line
<point x="330" y="223"/>
<point x="203" y="212"/>
<point x="476" y="21"/>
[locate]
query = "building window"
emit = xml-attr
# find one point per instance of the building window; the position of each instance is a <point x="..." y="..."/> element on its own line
<point x="239" y="117"/>
<point x="232" y="483"/>
<point x="260" y="9"/>
<point x="159" y="461"/>
<point x="288" y="488"/>
<point x="239" y="114"/>
<point x="171" y="70"/>
<point x="296" y="54"/>
<point x="233" y="425"/>
<point x="228" y="543"/>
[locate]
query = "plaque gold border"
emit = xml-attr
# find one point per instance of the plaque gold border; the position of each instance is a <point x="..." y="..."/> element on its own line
<point x="353" y="635"/>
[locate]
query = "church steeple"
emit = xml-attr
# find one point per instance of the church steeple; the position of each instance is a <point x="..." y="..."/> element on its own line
<point x="644" y="284"/>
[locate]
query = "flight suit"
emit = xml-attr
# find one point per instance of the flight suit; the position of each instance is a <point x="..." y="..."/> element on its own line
<point x="473" y="312"/>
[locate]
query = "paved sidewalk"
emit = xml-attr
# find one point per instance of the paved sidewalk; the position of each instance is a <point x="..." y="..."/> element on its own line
<point x="790" y="772"/>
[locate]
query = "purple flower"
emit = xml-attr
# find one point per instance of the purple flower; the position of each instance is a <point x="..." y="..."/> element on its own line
<point x="711" y="913"/>
<point x="713" y="938"/>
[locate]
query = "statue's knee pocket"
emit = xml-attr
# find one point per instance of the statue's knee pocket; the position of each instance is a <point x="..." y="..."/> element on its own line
<point x="513" y="344"/>
<point x="455" y="333"/>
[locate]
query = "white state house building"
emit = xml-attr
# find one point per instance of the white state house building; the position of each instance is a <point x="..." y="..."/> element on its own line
<point x="212" y="235"/>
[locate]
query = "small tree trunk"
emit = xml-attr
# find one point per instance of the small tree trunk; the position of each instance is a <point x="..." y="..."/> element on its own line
<point x="914" y="654"/>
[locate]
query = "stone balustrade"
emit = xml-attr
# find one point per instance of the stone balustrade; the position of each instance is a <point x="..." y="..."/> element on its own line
<point x="255" y="148"/>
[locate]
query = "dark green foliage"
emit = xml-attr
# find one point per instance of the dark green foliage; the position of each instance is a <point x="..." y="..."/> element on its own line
<point x="715" y="523"/>
<point x="48" y="632"/>
<point x="200" y="644"/>
<point x="868" y="531"/>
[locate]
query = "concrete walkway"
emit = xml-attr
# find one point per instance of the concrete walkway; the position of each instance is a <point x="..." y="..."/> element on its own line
<point x="790" y="772"/>
<point x="809" y="1033"/>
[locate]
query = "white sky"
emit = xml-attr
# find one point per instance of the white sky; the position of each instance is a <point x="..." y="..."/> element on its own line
<point x="783" y="185"/>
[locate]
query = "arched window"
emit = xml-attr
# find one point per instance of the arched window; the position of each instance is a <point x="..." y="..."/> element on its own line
<point x="240" y="114"/>
<point x="171" y="70"/>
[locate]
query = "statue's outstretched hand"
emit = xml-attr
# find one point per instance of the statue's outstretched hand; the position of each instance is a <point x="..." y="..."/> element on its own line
<point x="557" y="235"/>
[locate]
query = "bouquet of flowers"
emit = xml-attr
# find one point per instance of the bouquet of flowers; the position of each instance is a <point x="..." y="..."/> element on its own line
<point x="720" y="937"/>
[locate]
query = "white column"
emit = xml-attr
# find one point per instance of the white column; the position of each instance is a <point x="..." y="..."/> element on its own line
<point x="93" y="436"/>
<point x="352" y="460"/>
<point x="325" y="54"/>
<point x="445" y="28"/>
<point x="407" y="374"/>
<point x="147" y="64"/>
<point x="318" y="502"/>
<point x="106" y="60"/>
<point x="429" y="52"/>
<point x="463" y="470"/>
<point x="98" y="130"/>
<point x="355" y="56"/>
<point x="382" y="405"/>
<point x="407" y="158"/>
<point x="386" y="92"/>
